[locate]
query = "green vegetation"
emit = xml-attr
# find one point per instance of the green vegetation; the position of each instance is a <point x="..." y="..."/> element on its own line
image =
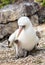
<point x="42" y="2"/>
<point x="5" y="2"/>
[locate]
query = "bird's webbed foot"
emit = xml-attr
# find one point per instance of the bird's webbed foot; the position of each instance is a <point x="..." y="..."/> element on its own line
<point x="21" y="53"/>
<point x="24" y="53"/>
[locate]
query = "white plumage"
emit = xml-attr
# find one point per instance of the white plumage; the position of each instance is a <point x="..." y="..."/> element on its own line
<point x="27" y="36"/>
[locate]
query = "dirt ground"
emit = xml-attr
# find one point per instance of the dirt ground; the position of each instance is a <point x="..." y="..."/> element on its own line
<point x="37" y="57"/>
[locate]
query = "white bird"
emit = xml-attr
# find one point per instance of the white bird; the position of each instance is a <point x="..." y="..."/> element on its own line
<point x="25" y="34"/>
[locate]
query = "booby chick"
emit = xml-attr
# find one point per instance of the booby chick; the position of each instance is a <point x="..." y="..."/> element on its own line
<point x="25" y="34"/>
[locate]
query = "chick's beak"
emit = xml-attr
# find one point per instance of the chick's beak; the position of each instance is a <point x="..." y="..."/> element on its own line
<point x="20" y="30"/>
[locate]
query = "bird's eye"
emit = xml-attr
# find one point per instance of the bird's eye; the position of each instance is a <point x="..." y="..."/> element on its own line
<point x="23" y="26"/>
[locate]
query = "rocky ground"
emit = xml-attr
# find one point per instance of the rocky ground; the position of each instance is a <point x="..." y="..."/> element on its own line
<point x="9" y="16"/>
<point x="37" y="57"/>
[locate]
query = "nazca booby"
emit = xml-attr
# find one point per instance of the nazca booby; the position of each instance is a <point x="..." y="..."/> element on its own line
<point x="25" y="34"/>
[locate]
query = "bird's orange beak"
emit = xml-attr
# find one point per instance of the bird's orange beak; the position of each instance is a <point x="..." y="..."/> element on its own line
<point x="20" y="30"/>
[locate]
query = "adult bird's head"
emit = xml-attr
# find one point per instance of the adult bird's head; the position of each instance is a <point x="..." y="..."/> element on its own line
<point x="23" y="23"/>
